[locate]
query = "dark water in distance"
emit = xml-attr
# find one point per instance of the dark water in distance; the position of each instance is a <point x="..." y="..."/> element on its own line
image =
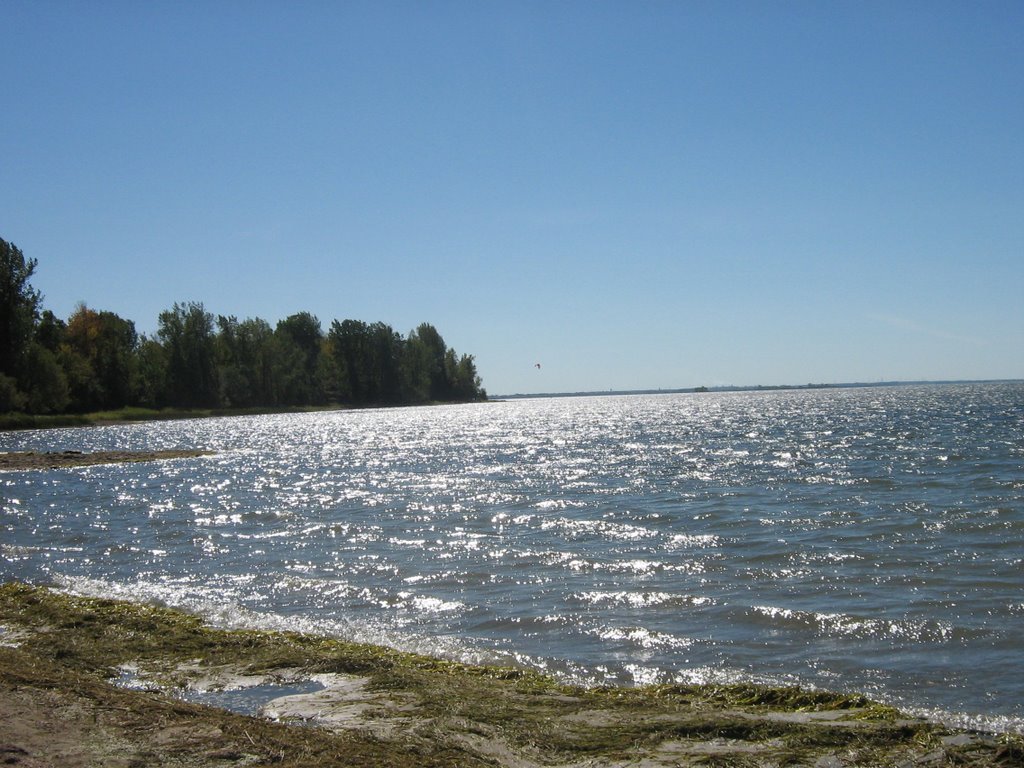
<point x="852" y="539"/>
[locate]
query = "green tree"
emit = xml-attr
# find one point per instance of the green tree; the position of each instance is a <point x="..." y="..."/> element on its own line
<point x="464" y="381"/>
<point x="384" y="365"/>
<point x="328" y="375"/>
<point x="11" y="397"/>
<point x="430" y="351"/>
<point x="50" y="331"/>
<point x="151" y="374"/>
<point x="348" y="341"/>
<point x="245" y="362"/>
<point x="416" y="369"/>
<point x="301" y="335"/>
<point x="19" y="307"/>
<point x="99" y="355"/>
<point x="186" y="331"/>
<point x="45" y="376"/>
<point x="46" y="382"/>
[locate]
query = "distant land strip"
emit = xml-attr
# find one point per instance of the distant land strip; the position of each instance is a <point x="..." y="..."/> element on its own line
<point x="746" y="388"/>
<point x="22" y="460"/>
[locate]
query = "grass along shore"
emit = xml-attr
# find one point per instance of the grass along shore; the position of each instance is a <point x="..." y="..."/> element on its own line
<point x="15" y="421"/>
<point x="90" y="681"/>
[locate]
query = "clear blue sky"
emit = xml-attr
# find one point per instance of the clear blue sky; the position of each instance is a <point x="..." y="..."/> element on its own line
<point x="633" y="194"/>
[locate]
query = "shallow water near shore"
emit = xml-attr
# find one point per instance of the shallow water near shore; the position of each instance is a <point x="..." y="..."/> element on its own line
<point x="851" y="539"/>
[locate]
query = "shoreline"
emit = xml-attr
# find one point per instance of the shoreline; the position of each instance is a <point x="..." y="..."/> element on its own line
<point x="16" y="421"/>
<point x="129" y="679"/>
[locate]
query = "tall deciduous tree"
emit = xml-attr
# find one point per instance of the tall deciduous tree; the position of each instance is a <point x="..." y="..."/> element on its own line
<point x="385" y="364"/>
<point x="245" y="362"/>
<point x="50" y="330"/>
<point x="186" y="331"/>
<point x="348" y="341"/>
<point x="19" y="307"/>
<point x="99" y="351"/>
<point x="45" y="381"/>
<point x="431" y="353"/>
<point x="300" y="334"/>
<point x="151" y="378"/>
<point x="464" y="381"/>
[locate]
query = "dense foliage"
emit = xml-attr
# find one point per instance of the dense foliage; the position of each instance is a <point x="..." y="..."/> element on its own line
<point x="96" y="361"/>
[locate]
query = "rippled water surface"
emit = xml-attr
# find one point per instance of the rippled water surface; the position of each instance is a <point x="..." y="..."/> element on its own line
<point x="854" y="539"/>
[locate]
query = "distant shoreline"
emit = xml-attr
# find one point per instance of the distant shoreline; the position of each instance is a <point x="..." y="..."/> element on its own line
<point x="749" y="388"/>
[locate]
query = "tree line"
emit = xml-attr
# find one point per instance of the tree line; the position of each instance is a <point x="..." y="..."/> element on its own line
<point x="96" y="361"/>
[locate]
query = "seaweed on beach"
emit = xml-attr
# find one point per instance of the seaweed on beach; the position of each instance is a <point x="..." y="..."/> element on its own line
<point x="63" y="654"/>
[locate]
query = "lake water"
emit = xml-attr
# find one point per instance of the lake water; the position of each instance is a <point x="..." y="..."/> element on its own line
<point x="862" y="539"/>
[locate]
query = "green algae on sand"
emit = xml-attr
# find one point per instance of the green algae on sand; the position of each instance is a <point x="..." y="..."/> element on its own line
<point x="62" y="659"/>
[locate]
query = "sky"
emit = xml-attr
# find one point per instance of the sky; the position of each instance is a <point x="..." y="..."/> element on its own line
<point x="635" y="194"/>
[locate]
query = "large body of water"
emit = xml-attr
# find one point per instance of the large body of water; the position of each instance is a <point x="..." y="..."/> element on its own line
<point x="852" y="539"/>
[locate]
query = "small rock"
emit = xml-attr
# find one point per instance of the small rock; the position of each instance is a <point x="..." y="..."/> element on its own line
<point x="960" y="740"/>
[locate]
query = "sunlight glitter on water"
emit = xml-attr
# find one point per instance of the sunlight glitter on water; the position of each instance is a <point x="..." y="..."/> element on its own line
<point x="863" y="538"/>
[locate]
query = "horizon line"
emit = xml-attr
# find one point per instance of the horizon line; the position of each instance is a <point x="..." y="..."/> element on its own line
<point x="746" y="388"/>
